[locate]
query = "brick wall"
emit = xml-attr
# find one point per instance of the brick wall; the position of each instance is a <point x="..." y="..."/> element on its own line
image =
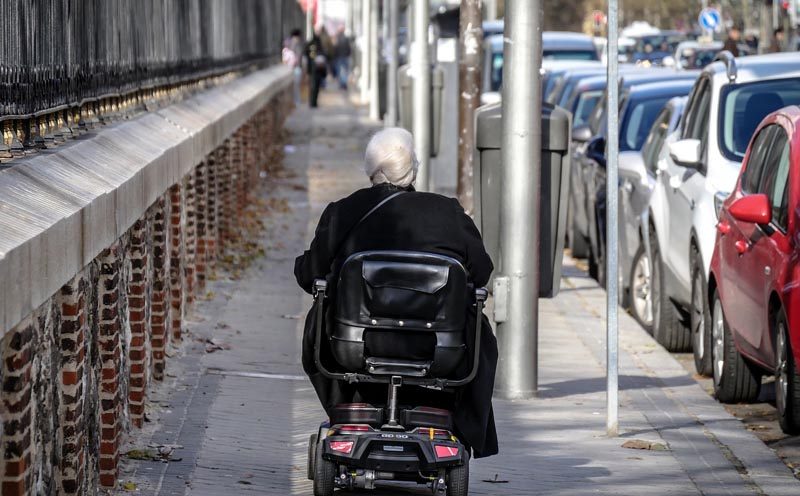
<point x="75" y="373"/>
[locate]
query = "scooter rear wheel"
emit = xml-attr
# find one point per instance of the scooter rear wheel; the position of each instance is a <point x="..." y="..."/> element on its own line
<point x="312" y="454"/>
<point x="458" y="480"/>
<point x="324" y="475"/>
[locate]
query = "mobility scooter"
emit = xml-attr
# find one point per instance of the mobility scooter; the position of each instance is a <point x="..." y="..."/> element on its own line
<point x="400" y="319"/>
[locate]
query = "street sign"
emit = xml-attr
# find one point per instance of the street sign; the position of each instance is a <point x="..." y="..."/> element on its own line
<point x="710" y="19"/>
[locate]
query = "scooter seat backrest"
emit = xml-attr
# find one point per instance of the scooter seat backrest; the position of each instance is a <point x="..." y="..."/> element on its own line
<point x="396" y="306"/>
<point x="412" y="291"/>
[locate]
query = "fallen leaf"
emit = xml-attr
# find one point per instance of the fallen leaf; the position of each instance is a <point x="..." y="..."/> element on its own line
<point x="129" y="486"/>
<point x="140" y="454"/>
<point x="641" y="444"/>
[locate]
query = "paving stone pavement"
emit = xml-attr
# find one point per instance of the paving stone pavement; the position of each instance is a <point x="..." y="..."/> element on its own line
<point x="242" y="416"/>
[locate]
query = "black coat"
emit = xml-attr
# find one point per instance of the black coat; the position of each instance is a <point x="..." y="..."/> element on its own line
<point x="412" y="221"/>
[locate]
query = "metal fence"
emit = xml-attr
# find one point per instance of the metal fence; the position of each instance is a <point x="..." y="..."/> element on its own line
<point x="56" y="54"/>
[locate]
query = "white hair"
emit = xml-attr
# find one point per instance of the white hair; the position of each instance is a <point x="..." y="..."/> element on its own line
<point x="390" y="158"/>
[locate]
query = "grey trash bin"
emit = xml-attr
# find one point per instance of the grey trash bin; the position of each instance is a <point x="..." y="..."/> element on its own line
<point x="405" y="96"/>
<point x="487" y="174"/>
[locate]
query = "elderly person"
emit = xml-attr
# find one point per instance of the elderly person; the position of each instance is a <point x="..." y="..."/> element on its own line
<point x="413" y="221"/>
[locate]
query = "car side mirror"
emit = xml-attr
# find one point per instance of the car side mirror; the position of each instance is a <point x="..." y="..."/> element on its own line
<point x="582" y="134"/>
<point x="755" y="209"/>
<point x="686" y="153"/>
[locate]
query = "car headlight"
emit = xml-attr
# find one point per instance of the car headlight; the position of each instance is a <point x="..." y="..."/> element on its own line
<point x="719" y="199"/>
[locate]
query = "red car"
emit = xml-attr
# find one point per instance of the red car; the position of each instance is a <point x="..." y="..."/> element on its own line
<point x="754" y="287"/>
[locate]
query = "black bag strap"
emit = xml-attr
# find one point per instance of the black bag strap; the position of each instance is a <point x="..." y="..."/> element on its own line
<point x="363" y="218"/>
<point x="376" y="207"/>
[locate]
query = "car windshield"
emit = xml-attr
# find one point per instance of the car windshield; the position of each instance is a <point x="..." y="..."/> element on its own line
<point x="743" y="106"/>
<point x="588" y="54"/>
<point x="583" y="107"/>
<point x="549" y="83"/>
<point x="657" y="43"/>
<point x="697" y="58"/>
<point x="638" y="120"/>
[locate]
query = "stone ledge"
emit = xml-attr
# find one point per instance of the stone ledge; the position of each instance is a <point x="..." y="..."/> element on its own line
<point x="60" y="208"/>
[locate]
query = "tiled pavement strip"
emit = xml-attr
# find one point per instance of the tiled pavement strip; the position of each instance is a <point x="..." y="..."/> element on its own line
<point x="243" y="416"/>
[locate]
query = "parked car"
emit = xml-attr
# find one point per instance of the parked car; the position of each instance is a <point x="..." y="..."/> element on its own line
<point x="637" y="177"/>
<point x="726" y="104"/>
<point x="753" y="287"/>
<point x="639" y="107"/>
<point x="694" y="54"/>
<point x="581" y="103"/>
<point x="563" y="87"/>
<point x="582" y="181"/>
<point x="650" y="50"/>
<point x="576" y="48"/>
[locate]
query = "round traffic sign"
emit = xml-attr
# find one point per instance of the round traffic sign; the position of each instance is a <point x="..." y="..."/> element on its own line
<point x="709" y="19"/>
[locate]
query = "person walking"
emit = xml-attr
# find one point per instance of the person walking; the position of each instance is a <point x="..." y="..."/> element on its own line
<point x="316" y="65"/>
<point x="732" y="43"/>
<point x="342" y="51"/>
<point x="292" y="56"/>
<point x="776" y="45"/>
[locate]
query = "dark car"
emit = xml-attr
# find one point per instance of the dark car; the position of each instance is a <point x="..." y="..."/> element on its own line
<point x="652" y="49"/>
<point x="556" y="45"/>
<point x="562" y="90"/>
<point x="581" y="204"/>
<point x="640" y="105"/>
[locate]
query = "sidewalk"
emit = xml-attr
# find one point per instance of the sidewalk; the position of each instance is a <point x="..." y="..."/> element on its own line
<point x="242" y="416"/>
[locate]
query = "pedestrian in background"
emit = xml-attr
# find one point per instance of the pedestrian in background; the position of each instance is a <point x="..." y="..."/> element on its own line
<point x="777" y="41"/>
<point x="292" y="56"/>
<point x="342" y="52"/>
<point x="316" y="65"/>
<point x="732" y="43"/>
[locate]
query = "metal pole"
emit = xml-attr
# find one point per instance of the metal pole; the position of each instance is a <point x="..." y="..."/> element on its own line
<point x="520" y="184"/>
<point x="374" y="56"/>
<point x="490" y="7"/>
<point x="391" y="70"/>
<point x="350" y="21"/>
<point x="309" y="21"/>
<point x="612" y="226"/>
<point x="366" y="49"/>
<point x="469" y="81"/>
<point x="421" y="72"/>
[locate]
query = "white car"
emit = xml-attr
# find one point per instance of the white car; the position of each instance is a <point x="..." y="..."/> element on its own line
<point x="698" y="167"/>
<point x="637" y="179"/>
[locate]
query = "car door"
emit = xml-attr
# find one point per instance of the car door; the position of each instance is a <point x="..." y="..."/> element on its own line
<point x="683" y="186"/>
<point x="636" y="186"/>
<point x="766" y="248"/>
<point x="740" y="269"/>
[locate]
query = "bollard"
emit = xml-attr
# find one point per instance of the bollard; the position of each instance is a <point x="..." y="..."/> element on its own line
<point x="487" y="176"/>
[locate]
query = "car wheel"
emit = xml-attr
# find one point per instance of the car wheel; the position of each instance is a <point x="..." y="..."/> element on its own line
<point x="324" y="475"/>
<point x="735" y="380"/>
<point x="641" y="295"/>
<point x="787" y="378"/>
<point x="577" y="243"/>
<point x="668" y="328"/>
<point x="700" y="321"/>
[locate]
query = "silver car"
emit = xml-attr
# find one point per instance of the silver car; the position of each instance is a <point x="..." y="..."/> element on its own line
<point x="637" y="177"/>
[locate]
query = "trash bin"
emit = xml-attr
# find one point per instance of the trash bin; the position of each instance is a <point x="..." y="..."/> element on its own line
<point x="405" y="96"/>
<point x="487" y="175"/>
